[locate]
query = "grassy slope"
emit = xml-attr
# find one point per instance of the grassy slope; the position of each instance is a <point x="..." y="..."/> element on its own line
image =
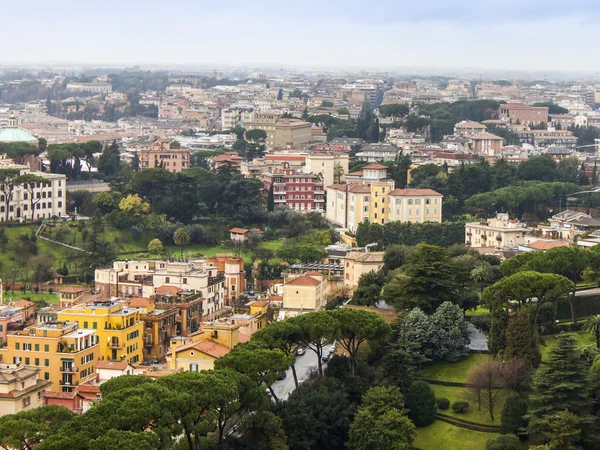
<point x="443" y="436"/>
<point x="448" y="371"/>
<point x="455" y="394"/>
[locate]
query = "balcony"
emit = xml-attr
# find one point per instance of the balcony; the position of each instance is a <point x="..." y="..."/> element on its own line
<point x="115" y="345"/>
<point x="216" y="280"/>
<point x="69" y="369"/>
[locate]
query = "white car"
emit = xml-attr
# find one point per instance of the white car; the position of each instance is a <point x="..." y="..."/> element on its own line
<point x="300" y="351"/>
<point x="332" y="349"/>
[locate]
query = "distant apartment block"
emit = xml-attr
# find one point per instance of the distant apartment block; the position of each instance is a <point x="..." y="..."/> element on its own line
<point x="160" y="154"/>
<point x="497" y="231"/>
<point x="325" y="163"/>
<point x="236" y="116"/>
<point x="281" y="133"/>
<point x="96" y="88"/>
<point x="523" y="114"/>
<point x="21" y="389"/>
<point x="295" y="189"/>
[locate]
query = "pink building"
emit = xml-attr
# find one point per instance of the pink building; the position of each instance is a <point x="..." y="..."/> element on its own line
<point x="296" y="190"/>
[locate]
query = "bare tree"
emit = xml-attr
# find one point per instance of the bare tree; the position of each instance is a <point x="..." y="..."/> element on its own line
<point x="517" y="374"/>
<point x="484" y="382"/>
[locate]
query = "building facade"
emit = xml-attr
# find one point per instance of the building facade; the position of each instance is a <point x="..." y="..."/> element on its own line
<point x="414" y="205"/>
<point x="325" y="163"/>
<point x="65" y="354"/>
<point x="498" y="231"/>
<point x="295" y="189"/>
<point x="20" y="388"/>
<point x="304" y="293"/>
<point x="160" y="154"/>
<point x="356" y="264"/>
<point x="523" y="114"/>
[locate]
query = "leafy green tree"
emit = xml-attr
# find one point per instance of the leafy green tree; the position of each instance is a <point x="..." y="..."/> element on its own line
<point x="7" y="186"/>
<point x="381" y="422"/>
<point x="482" y="274"/>
<point x="504" y="442"/>
<point x="316" y="329"/>
<point x="26" y="429"/>
<point x="262" y="365"/>
<point x="256" y="135"/>
<point x="452" y="332"/>
<point x="263" y="431"/>
<point x="513" y="418"/>
<point x="540" y="168"/>
<point x="283" y="335"/>
<point x="19" y="151"/>
<point x="30" y="182"/>
<point x="317" y="415"/>
<point x="355" y="328"/>
<point x="155" y="246"/>
<point x="181" y="237"/>
<point x="563" y="432"/>
<point x="420" y="401"/>
<point x="521" y="339"/>
<point x="110" y="160"/>
<point x="118" y="439"/>
<point x="427" y="280"/>
<point x="592" y="325"/>
<point x="106" y="201"/>
<point x="562" y="383"/>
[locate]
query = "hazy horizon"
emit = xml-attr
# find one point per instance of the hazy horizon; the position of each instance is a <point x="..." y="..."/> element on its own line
<point x="516" y="36"/>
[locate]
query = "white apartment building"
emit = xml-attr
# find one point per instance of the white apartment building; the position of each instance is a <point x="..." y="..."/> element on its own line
<point x="499" y="231"/>
<point x="49" y="200"/>
<point x="414" y="205"/>
<point x="236" y="115"/>
<point x="97" y="88"/>
<point x="141" y="278"/>
<point x="325" y="163"/>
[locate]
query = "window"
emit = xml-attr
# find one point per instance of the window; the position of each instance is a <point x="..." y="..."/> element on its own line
<point x="167" y="279"/>
<point x="46" y="375"/>
<point x="435" y="201"/>
<point x="418" y="212"/>
<point x="37" y="361"/>
<point x="426" y="210"/>
<point x="410" y="202"/>
<point x="185" y="281"/>
<point x="85" y="324"/>
<point x="417" y="202"/>
<point x="26" y="401"/>
<point x="435" y="210"/>
<point x="27" y="361"/>
<point x="427" y="201"/>
<point x="46" y="347"/>
<point x="398" y="201"/>
<point x="95" y="325"/>
<point x="17" y="346"/>
<point x="47" y="362"/>
<point x="193" y="367"/>
<point x="37" y="347"/>
<point x="410" y="212"/>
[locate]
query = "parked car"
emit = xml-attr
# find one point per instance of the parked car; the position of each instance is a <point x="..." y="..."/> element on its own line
<point x="282" y="375"/>
<point x="300" y="351"/>
<point x="325" y="358"/>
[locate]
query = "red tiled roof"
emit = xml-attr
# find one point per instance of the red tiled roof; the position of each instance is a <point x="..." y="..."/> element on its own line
<point x="304" y="280"/>
<point x="212" y="348"/>
<point x="139" y="302"/>
<point x="414" y="193"/>
<point x="61" y="395"/>
<point x="23" y="303"/>
<point x="546" y="245"/>
<point x="243" y="338"/>
<point x="238" y="230"/>
<point x="72" y="289"/>
<point x="166" y="289"/>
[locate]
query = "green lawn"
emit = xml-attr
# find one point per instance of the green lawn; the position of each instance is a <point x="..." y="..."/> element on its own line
<point x="477" y="312"/>
<point x="443" y="436"/>
<point x="48" y="298"/>
<point x="473" y="414"/>
<point x="583" y="339"/>
<point x="448" y="371"/>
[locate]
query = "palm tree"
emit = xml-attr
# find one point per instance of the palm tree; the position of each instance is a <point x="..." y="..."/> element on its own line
<point x="338" y="173"/>
<point x="593" y="326"/>
<point x="451" y="201"/>
<point x="482" y="274"/>
<point x="182" y="238"/>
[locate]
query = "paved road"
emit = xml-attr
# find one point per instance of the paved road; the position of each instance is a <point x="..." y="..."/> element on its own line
<point x="304" y="365"/>
<point x="588" y="292"/>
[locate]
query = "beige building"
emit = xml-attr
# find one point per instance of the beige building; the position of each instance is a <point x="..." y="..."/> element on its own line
<point x="49" y="199"/>
<point x="236" y="116"/>
<point x="324" y="164"/>
<point x="358" y="263"/>
<point x="292" y="133"/>
<point x="469" y="127"/>
<point x="486" y="144"/>
<point x="200" y="350"/>
<point x="304" y="293"/>
<point x="160" y="154"/>
<point x="264" y="121"/>
<point x="363" y="197"/>
<point x="414" y="205"/>
<point x="20" y="388"/>
<point x="499" y="231"/>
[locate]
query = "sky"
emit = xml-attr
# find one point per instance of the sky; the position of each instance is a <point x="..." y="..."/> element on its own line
<point x="503" y="34"/>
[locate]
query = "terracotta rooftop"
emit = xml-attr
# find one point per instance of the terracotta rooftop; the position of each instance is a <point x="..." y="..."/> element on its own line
<point x="546" y="245"/>
<point x="376" y="257"/>
<point x="61" y="395"/>
<point x="238" y="230"/>
<point x="113" y="365"/>
<point x="167" y="290"/>
<point x="139" y="302"/>
<point x="211" y="348"/>
<point x="22" y="303"/>
<point x="72" y="289"/>
<point x="304" y="280"/>
<point x="414" y="193"/>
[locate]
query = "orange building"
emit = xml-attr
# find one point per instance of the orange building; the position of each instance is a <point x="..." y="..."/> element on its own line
<point x="232" y="267"/>
<point x="160" y="154"/>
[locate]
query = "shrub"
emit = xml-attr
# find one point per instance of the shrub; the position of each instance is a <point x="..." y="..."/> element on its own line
<point x="420" y="401"/>
<point x="483" y="322"/>
<point x="512" y="418"/>
<point x="504" y="442"/>
<point x="443" y="403"/>
<point x="460" y="407"/>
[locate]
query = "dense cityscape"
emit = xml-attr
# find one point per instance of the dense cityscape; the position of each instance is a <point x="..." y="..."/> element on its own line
<point x="299" y="254"/>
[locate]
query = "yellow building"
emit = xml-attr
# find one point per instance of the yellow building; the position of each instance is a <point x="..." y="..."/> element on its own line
<point x="415" y="205"/>
<point x="119" y="328"/>
<point x="357" y="264"/>
<point x="20" y="388"/>
<point x="200" y="350"/>
<point x="65" y="354"/>
<point x="304" y="293"/>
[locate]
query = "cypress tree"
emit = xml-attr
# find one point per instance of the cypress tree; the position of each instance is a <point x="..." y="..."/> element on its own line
<point x="561" y="384"/>
<point x="498" y="330"/>
<point x="513" y="417"/>
<point x="270" y="199"/>
<point x="595" y="174"/>
<point x="520" y="341"/>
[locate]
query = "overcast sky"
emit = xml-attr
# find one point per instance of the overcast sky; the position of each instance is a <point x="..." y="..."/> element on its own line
<point x="503" y="34"/>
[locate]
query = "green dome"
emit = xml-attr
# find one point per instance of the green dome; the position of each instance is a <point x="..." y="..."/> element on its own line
<point x="16" y="135"/>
